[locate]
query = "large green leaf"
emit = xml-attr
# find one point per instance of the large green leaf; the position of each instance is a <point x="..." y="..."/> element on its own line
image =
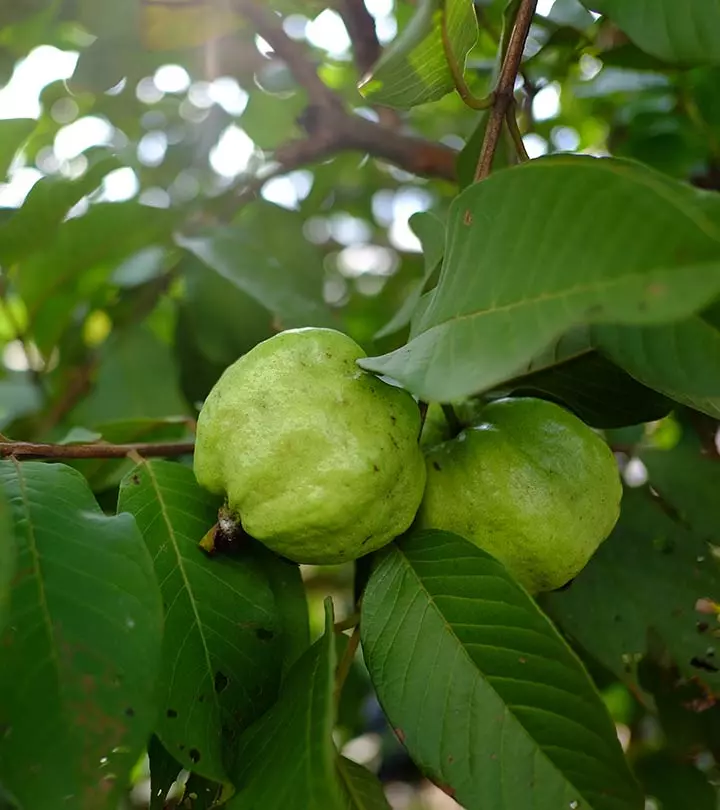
<point x="82" y="648"/>
<point x="13" y="131"/>
<point x="679" y="32"/>
<point x="223" y="647"/>
<point x="126" y="389"/>
<point x="362" y="789"/>
<point x="601" y="240"/>
<point x="287" y="759"/>
<point x="80" y="258"/>
<point x="671" y="357"/>
<point x="414" y="68"/>
<point x="485" y="694"/>
<point x="284" y="275"/>
<point x="8" y="553"/>
<point x="35" y="224"/>
<point x="596" y="390"/>
<point x="657" y="571"/>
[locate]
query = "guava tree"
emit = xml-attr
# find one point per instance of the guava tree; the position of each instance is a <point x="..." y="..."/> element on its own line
<point x="460" y="472"/>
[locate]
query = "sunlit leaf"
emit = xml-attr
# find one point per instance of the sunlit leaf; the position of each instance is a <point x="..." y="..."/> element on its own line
<point x="508" y="288"/>
<point x="414" y="68"/>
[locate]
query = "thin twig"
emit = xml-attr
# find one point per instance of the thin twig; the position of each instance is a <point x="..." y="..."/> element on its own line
<point x="515" y="134"/>
<point x="99" y="450"/>
<point x="465" y="93"/>
<point x="346" y="662"/>
<point x="504" y="94"/>
<point x="269" y="26"/>
<point x="360" y="26"/>
<point x="348" y="623"/>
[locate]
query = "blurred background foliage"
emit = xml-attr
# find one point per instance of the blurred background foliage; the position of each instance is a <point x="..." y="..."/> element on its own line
<point x="134" y="268"/>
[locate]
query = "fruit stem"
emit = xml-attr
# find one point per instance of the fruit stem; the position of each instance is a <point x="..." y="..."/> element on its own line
<point x="451" y="417"/>
<point x="348" y="623"/>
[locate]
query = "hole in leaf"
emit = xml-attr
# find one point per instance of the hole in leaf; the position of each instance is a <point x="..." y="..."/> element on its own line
<point x="171" y="713"/>
<point x="264" y="635"/>
<point x="194" y="755"/>
<point x="221" y="682"/>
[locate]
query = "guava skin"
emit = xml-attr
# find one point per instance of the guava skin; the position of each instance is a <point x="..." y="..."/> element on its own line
<point x="531" y="484"/>
<point x="317" y="458"/>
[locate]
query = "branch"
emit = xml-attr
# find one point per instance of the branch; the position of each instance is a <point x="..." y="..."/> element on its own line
<point x="99" y="450"/>
<point x="269" y="26"/>
<point x="329" y="126"/>
<point x="504" y="94"/>
<point x="361" y="30"/>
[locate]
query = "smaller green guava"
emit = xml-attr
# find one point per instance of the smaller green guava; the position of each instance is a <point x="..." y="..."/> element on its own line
<point x="318" y="459"/>
<point x="531" y="484"/>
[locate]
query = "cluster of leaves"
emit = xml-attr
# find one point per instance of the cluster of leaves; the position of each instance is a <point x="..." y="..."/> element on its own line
<point x="593" y="282"/>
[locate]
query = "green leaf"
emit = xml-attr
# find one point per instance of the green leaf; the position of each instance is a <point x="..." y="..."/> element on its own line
<point x="222" y="652"/>
<point x="81" y="652"/>
<point x="597" y="391"/>
<point x="689" y="481"/>
<point x="430" y="230"/>
<point x="35" y="224"/>
<point x="270" y="120"/>
<point x="676" y="32"/>
<point x="414" y="69"/>
<point x="657" y="570"/>
<point x="19" y="395"/>
<point x="80" y="258"/>
<point x="508" y="289"/>
<point x="672" y="357"/>
<point x="164" y="771"/>
<point x="126" y="389"/>
<point x="288" y="286"/>
<point x="287" y="759"/>
<point x="362" y="789"/>
<point x="677" y="785"/>
<point x="291" y="604"/>
<point x="486" y="696"/>
<point x="13" y="131"/>
<point x="8" y="554"/>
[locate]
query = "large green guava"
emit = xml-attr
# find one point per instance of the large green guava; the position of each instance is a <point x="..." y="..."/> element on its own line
<point x="318" y="459"/>
<point x="531" y="484"/>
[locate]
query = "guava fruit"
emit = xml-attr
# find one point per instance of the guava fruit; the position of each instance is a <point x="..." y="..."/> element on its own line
<point x="531" y="484"/>
<point x="318" y="459"/>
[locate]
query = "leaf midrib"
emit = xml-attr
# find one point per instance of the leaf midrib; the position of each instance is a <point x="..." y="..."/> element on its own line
<point x="183" y="573"/>
<point x="503" y="702"/>
<point x="37" y="569"/>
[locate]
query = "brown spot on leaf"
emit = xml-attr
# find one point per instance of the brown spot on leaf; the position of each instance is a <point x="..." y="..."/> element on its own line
<point x="400" y="734"/>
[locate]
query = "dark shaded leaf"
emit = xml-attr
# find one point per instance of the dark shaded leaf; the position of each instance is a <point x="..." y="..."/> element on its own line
<point x="288" y="758"/>
<point x="223" y="648"/>
<point x="164" y="771"/>
<point x="82" y="647"/>
<point x="659" y="573"/>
